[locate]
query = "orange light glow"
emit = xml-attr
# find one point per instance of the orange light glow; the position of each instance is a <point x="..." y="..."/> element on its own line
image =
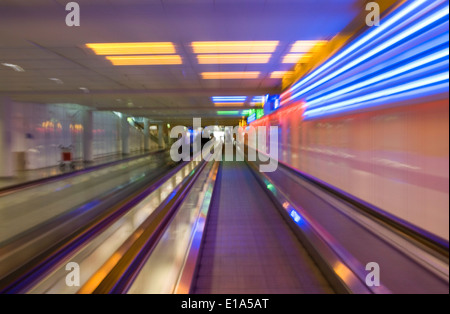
<point x="90" y="286"/>
<point x="306" y="45"/>
<point x="145" y="60"/>
<point x="235" y="46"/>
<point x="294" y="58"/>
<point x="230" y="75"/>
<point x="132" y="48"/>
<point x="281" y="74"/>
<point x="229" y="104"/>
<point x="234" y="58"/>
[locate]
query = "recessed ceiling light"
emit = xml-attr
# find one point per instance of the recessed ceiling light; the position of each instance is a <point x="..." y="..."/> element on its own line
<point x="15" y="67"/>
<point x="234" y="46"/>
<point x="133" y="48"/>
<point x="228" y="113"/>
<point x="84" y="89"/>
<point x="229" y="98"/>
<point x="258" y="100"/>
<point x="229" y="104"/>
<point x="294" y="58"/>
<point x="145" y="60"/>
<point x="230" y="75"/>
<point x="234" y="58"/>
<point x="280" y="74"/>
<point x="306" y="45"/>
<point x="56" y="80"/>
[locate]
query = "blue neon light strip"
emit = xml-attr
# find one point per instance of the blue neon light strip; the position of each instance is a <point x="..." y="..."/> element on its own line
<point x="366" y="38"/>
<point x="437" y="83"/>
<point x="420" y="48"/>
<point x="404" y="58"/>
<point x="229" y="98"/>
<point x="441" y="55"/>
<point x="251" y="118"/>
<point x="258" y="99"/>
<point x="373" y="52"/>
<point x="295" y="216"/>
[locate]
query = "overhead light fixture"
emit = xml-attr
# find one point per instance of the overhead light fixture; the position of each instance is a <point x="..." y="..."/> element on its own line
<point x="133" y="48"/>
<point x="204" y="47"/>
<point x="303" y="46"/>
<point x="294" y="58"/>
<point x="15" y="67"/>
<point x="145" y="60"/>
<point x="228" y="113"/>
<point x="281" y="74"/>
<point x="84" y="89"/>
<point x="56" y="80"/>
<point x="234" y="58"/>
<point x="229" y="104"/>
<point x="258" y="100"/>
<point x="230" y="75"/>
<point x="229" y="98"/>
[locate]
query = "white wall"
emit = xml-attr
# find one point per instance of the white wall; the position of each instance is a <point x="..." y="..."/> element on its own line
<point x="38" y="130"/>
<point x="106" y="134"/>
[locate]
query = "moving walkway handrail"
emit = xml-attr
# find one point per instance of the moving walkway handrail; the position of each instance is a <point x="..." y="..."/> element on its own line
<point x="29" y="184"/>
<point x="135" y="251"/>
<point x="20" y="280"/>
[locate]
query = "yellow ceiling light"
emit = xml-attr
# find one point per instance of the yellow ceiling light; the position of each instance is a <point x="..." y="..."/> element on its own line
<point x="132" y="48"/>
<point x="200" y="47"/>
<point x="229" y="104"/>
<point x="306" y="45"/>
<point x="234" y="58"/>
<point x="280" y="74"/>
<point x="294" y="58"/>
<point x="145" y="60"/>
<point x="230" y="75"/>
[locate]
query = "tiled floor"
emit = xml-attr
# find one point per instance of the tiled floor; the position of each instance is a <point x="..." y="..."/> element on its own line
<point x="249" y="248"/>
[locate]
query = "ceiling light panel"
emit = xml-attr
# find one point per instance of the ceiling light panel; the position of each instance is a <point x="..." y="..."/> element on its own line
<point x="230" y="75"/>
<point x="229" y="104"/>
<point x="15" y="67"/>
<point x="212" y="47"/>
<point x="228" y="113"/>
<point x="306" y="45"/>
<point x="281" y="74"/>
<point x="229" y="98"/>
<point x="132" y="48"/>
<point x="234" y="58"/>
<point x="294" y="58"/>
<point x="145" y="60"/>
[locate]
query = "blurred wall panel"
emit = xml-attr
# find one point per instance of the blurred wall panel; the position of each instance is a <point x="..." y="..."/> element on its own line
<point x="396" y="159"/>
